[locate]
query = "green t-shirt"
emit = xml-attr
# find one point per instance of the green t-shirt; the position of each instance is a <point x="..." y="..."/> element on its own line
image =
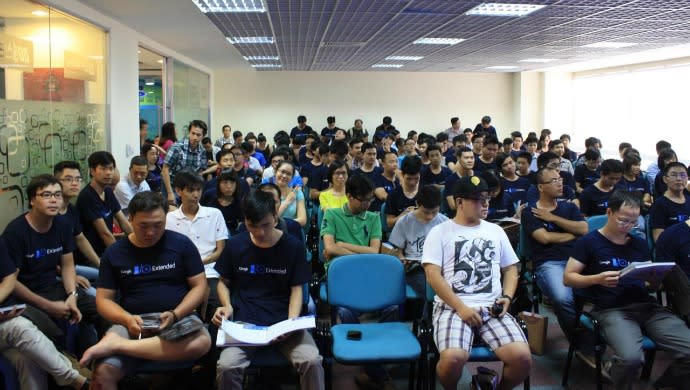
<point x="354" y="229"/>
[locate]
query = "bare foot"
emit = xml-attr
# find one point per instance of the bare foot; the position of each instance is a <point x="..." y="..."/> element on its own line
<point x="103" y="348"/>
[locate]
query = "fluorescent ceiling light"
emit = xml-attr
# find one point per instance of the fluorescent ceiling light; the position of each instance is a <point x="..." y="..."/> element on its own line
<point x="387" y="66"/>
<point x="219" y="6"/>
<point x="609" y="45"/>
<point x="504" y="9"/>
<point x="160" y="61"/>
<point x="39" y="13"/>
<point x="267" y="66"/>
<point x="437" y="41"/>
<point x="403" y="58"/>
<point x="502" y="67"/>
<point x="261" y="58"/>
<point x="250" y="40"/>
<point x="539" y="60"/>
<point x="150" y="83"/>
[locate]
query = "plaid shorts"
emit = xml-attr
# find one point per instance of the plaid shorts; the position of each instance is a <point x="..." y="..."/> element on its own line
<point x="451" y="332"/>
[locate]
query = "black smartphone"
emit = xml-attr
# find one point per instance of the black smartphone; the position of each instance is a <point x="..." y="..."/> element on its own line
<point x="354" y="335"/>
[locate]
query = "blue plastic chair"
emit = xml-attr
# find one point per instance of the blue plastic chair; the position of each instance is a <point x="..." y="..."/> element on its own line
<point x="366" y="283"/>
<point x="525" y="254"/>
<point x="596" y="222"/>
<point x="480" y="352"/>
<point x="384" y="223"/>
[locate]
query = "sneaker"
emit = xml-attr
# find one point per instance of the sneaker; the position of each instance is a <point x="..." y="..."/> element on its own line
<point x="365" y="382"/>
<point x="590" y="360"/>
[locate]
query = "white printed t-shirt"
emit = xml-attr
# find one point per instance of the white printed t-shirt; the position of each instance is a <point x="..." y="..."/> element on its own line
<point x="471" y="259"/>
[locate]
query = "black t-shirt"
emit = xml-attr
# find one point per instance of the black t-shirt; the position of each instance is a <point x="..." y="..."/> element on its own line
<point x="377" y="171"/>
<point x="501" y="207"/>
<point x="232" y="213"/>
<point x="489" y="130"/>
<point x="665" y="212"/>
<point x="598" y="254"/>
<point x="37" y="255"/>
<point x="388" y="185"/>
<point x="450" y="156"/>
<point x="397" y="202"/>
<point x="7" y="267"/>
<point x="594" y="201"/>
<point x="640" y="184"/>
<point x="303" y="158"/>
<point x="260" y="279"/>
<point x="71" y="217"/>
<point x="429" y="177"/>
<point x="546" y="252"/>
<point x="517" y="189"/>
<point x="659" y="186"/>
<point x="150" y="279"/>
<point x="153" y="179"/>
<point x="288" y="225"/>
<point x="92" y="208"/>
<point x="480" y="166"/>
<point x="584" y="177"/>
<point x="674" y="245"/>
<point x="450" y="183"/>
<point x="329" y="133"/>
<point x="211" y="191"/>
<point x="296" y="133"/>
<point x="315" y="175"/>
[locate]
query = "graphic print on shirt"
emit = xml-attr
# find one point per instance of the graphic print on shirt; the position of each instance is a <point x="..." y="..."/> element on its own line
<point x="472" y="266"/>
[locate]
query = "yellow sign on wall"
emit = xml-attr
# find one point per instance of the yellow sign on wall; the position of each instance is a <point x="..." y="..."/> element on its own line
<point x="16" y="53"/>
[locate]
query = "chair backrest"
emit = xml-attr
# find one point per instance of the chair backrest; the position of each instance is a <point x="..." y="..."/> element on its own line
<point x="524" y="246"/>
<point x="366" y="282"/>
<point x="596" y="222"/>
<point x="430" y="293"/>
<point x="384" y="222"/>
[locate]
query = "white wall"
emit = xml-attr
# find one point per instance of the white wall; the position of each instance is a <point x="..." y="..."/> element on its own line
<point x="270" y="101"/>
<point x="123" y="76"/>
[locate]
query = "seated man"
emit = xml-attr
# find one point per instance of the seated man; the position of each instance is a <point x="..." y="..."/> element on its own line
<point x="593" y="200"/>
<point x="204" y="226"/>
<point x="464" y="260"/>
<point x="401" y="200"/>
<point x="37" y="243"/>
<point x="623" y="306"/>
<point x="552" y="228"/>
<point x="264" y="298"/>
<point x="674" y="206"/>
<point x="133" y="182"/>
<point x="30" y="351"/>
<point x="410" y="231"/>
<point x="152" y="270"/>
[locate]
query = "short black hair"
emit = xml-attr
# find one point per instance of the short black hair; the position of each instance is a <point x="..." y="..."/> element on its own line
<point x="411" y="165"/>
<point x="501" y="158"/>
<point x="330" y="119"/>
<point x="621" y="198"/>
<point x="531" y="140"/>
<point x="555" y="142"/>
<point x="359" y="186"/>
<point x="221" y="153"/>
<point x="143" y="122"/>
<point x="516" y="134"/>
<point x="464" y="149"/>
<point x="460" y="138"/>
<point x="507" y="141"/>
<point x="200" y="124"/>
<point x="675" y="164"/>
<point x="368" y="145"/>
<point x="257" y="205"/>
<point x="629" y="160"/>
<point x="339" y="148"/>
<point x="541" y="172"/>
<point x="138" y="161"/>
<point x="592" y="142"/>
<point x="664" y="155"/>
<point x="610" y="166"/>
<point x="268" y="186"/>
<point x="355" y="141"/>
<point x="477" y="136"/>
<point x="145" y="148"/>
<point x="591" y="154"/>
<point x="564" y="137"/>
<point x="301" y="119"/>
<point x="387" y="120"/>
<point x="101" y="158"/>
<point x="40" y="181"/>
<point x="188" y="179"/>
<point x="624" y="145"/>
<point x="236" y="134"/>
<point x="66" y="164"/>
<point x="453" y="120"/>
<point x="441" y="137"/>
<point x="433" y="147"/>
<point x="147" y="201"/>
<point x="229" y="175"/>
<point x="486" y="119"/>
<point x="428" y="196"/>
<point x="332" y="168"/>
<point x="247" y="147"/>
<point x="524" y="155"/>
<point x="661" y="145"/>
<point x="545" y="157"/>
<point x="249" y="136"/>
<point x="206" y="141"/>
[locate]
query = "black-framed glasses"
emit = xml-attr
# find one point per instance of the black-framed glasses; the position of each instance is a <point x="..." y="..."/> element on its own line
<point x="677" y="175"/>
<point x="365" y="200"/>
<point x="553" y="181"/>
<point x="47" y="195"/>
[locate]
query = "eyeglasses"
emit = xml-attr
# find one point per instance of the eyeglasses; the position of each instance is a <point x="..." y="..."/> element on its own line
<point x="625" y="223"/>
<point x="336" y="173"/>
<point x="553" y="181"/>
<point x="366" y="200"/>
<point x="47" y="195"/>
<point x="676" y="175"/>
<point x="70" y="179"/>
<point x="284" y="172"/>
<point x="480" y="199"/>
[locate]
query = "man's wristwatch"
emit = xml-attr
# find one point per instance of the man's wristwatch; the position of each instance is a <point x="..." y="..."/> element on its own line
<point x="74" y="292"/>
<point x="508" y="297"/>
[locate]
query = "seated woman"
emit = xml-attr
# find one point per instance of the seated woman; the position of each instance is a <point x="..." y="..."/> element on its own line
<point x="292" y="204"/>
<point x="334" y="196"/>
<point x="153" y="178"/>
<point x="227" y="200"/>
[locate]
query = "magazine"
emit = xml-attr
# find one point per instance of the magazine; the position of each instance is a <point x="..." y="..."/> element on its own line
<point x="244" y="334"/>
<point x="646" y="270"/>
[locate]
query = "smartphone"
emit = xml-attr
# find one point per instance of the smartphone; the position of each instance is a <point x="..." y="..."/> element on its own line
<point x="354" y="335"/>
<point x="8" y="309"/>
<point x="150" y="321"/>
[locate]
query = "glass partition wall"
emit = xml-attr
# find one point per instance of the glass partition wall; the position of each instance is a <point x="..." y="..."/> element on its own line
<point x="52" y="96"/>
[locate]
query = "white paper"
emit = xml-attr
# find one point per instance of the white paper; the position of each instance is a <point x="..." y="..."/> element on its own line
<point x="237" y="333"/>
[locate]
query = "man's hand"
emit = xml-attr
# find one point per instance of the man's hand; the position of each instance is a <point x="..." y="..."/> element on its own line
<point x="133" y="324"/>
<point x="167" y="319"/>
<point x="15" y="312"/>
<point x="544" y="215"/>
<point x="608" y="278"/>
<point x="222" y="313"/>
<point x="171" y="199"/>
<point x="58" y="310"/>
<point x="505" y="302"/>
<point x="407" y="210"/>
<point x="74" y="314"/>
<point x="470" y="316"/>
<point x="83" y="282"/>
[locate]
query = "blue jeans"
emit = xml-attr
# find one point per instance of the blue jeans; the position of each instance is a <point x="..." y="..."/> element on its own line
<point x="550" y="281"/>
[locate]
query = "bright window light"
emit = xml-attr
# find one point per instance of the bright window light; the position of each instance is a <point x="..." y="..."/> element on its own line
<point x="504" y="9"/>
<point x="437" y="41"/>
<point x="261" y="58"/>
<point x="267" y="66"/>
<point x="403" y="58"/>
<point x="387" y="66"/>
<point x="502" y="67"/>
<point x="219" y="6"/>
<point x="539" y="60"/>
<point x="609" y="45"/>
<point x="39" y="13"/>
<point x="250" y="40"/>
